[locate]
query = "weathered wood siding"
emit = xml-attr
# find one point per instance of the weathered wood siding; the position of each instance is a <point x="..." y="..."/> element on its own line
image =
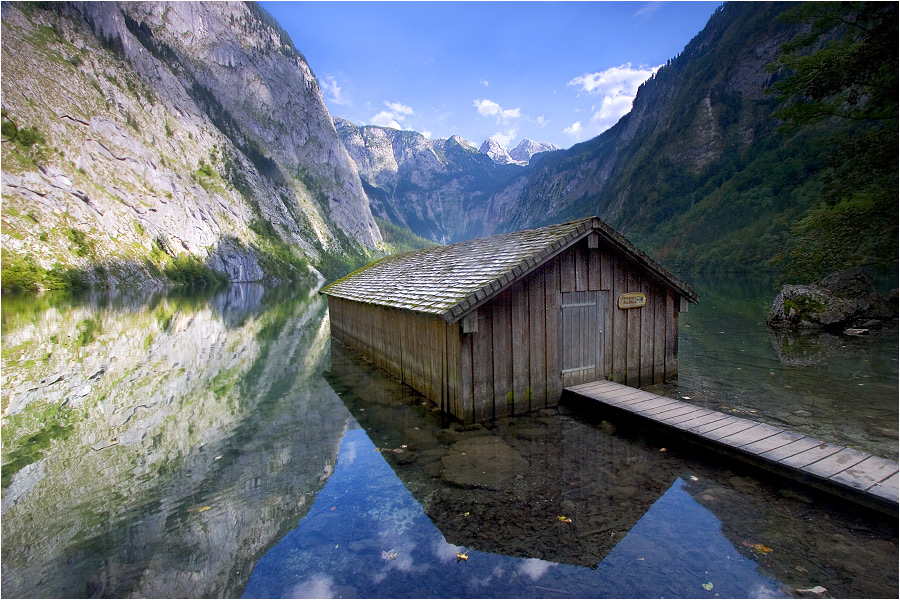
<point x="514" y="361"/>
<point x="419" y="350"/>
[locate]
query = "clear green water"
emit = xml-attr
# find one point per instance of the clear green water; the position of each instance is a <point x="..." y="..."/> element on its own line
<point x="219" y="446"/>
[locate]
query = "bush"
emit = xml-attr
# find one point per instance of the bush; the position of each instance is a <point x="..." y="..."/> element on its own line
<point x="23" y="274"/>
<point x="189" y="271"/>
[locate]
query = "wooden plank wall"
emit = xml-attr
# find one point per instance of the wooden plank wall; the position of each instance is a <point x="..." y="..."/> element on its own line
<point x="419" y="350"/>
<point x="511" y="364"/>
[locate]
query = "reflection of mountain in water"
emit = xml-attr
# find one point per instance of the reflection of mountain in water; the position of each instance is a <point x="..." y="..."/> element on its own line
<point x="506" y="490"/>
<point x="176" y="440"/>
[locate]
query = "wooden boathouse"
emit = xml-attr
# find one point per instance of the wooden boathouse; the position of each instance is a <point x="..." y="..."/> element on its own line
<point x="500" y="325"/>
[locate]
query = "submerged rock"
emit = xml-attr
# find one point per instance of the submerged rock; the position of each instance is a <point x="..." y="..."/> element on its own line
<point x="846" y="300"/>
<point x="485" y="462"/>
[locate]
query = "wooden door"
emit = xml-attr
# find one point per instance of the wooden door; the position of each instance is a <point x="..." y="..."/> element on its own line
<point x="581" y="336"/>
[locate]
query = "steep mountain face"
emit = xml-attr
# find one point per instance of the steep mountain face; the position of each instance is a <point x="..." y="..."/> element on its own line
<point x="697" y="171"/>
<point x="527" y="148"/>
<point x="436" y="188"/>
<point x="168" y="130"/>
<point x="496" y="152"/>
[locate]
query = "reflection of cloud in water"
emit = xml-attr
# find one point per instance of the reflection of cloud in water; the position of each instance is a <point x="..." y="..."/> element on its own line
<point x="317" y="586"/>
<point x="534" y="568"/>
<point x="443" y="551"/>
<point x="403" y="563"/>
<point x="762" y="592"/>
<point x="348" y="453"/>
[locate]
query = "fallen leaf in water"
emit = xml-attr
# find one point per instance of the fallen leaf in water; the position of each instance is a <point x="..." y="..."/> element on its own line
<point x="694" y="478"/>
<point x="466" y="514"/>
<point x="758" y="548"/>
<point x="462" y="556"/>
<point x="708" y="585"/>
<point x="663" y="450"/>
<point x="332" y="508"/>
<point x="564" y="519"/>
<point x="388" y="554"/>
<point x="200" y="510"/>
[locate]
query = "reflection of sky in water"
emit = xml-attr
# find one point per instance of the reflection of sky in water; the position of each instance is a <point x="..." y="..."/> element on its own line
<point x="365" y="511"/>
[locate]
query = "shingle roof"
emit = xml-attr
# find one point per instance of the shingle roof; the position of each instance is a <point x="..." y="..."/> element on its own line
<point x="450" y="280"/>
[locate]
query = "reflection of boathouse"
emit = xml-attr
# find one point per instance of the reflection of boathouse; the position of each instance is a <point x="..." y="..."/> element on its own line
<point x="500" y="325"/>
<point x="504" y="491"/>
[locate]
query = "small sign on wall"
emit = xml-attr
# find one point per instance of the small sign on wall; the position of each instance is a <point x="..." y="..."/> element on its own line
<point x="632" y="300"/>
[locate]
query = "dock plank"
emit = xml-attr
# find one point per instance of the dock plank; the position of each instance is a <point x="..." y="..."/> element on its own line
<point x="871" y="480"/>
<point x="867" y="473"/>
<point x="887" y="489"/>
<point x="650" y="404"/>
<point x="672" y="414"/>
<point x="807" y="457"/>
<point x="759" y="431"/>
<point x="776" y="441"/>
<point x="799" y="445"/>
<point x="712" y="426"/>
<point x="836" y="463"/>
<point x="739" y="426"/>
<point x="708" y="417"/>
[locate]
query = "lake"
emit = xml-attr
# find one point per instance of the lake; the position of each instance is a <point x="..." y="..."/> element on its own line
<point x="219" y="445"/>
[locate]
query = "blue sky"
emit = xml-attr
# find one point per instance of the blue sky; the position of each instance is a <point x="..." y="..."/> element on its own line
<point x="559" y="72"/>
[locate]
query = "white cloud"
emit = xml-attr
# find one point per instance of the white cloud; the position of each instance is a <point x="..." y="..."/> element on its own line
<point x="394" y="117"/>
<point x="611" y="110"/>
<point x="333" y="90"/>
<point x="386" y="119"/>
<point x="617" y="86"/>
<point x="574" y="129"/>
<point x="317" y="586"/>
<point x="396" y="107"/>
<point x="534" y="568"/>
<point x="615" y="81"/>
<point x="541" y="121"/>
<point x="489" y="108"/>
<point x="445" y="552"/>
<point x="484" y="82"/>
<point x="426" y="133"/>
<point x="647" y="10"/>
<point x="505" y="137"/>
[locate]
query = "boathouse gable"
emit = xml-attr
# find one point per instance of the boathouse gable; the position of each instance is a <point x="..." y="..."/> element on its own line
<point x="500" y="325"/>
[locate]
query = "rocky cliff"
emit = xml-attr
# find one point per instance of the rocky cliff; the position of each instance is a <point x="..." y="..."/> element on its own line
<point x="698" y="172"/>
<point x="436" y="188"/>
<point x="161" y="130"/>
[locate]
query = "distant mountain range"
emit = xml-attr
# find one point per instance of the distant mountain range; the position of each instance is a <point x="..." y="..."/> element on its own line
<point x="520" y="155"/>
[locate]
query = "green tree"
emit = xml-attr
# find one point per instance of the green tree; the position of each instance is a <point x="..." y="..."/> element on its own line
<point x="843" y="72"/>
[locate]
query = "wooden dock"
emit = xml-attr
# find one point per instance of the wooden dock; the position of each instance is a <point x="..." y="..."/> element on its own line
<point x="864" y="478"/>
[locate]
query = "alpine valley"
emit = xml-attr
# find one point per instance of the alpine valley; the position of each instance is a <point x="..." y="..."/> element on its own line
<point x="190" y="141"/>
